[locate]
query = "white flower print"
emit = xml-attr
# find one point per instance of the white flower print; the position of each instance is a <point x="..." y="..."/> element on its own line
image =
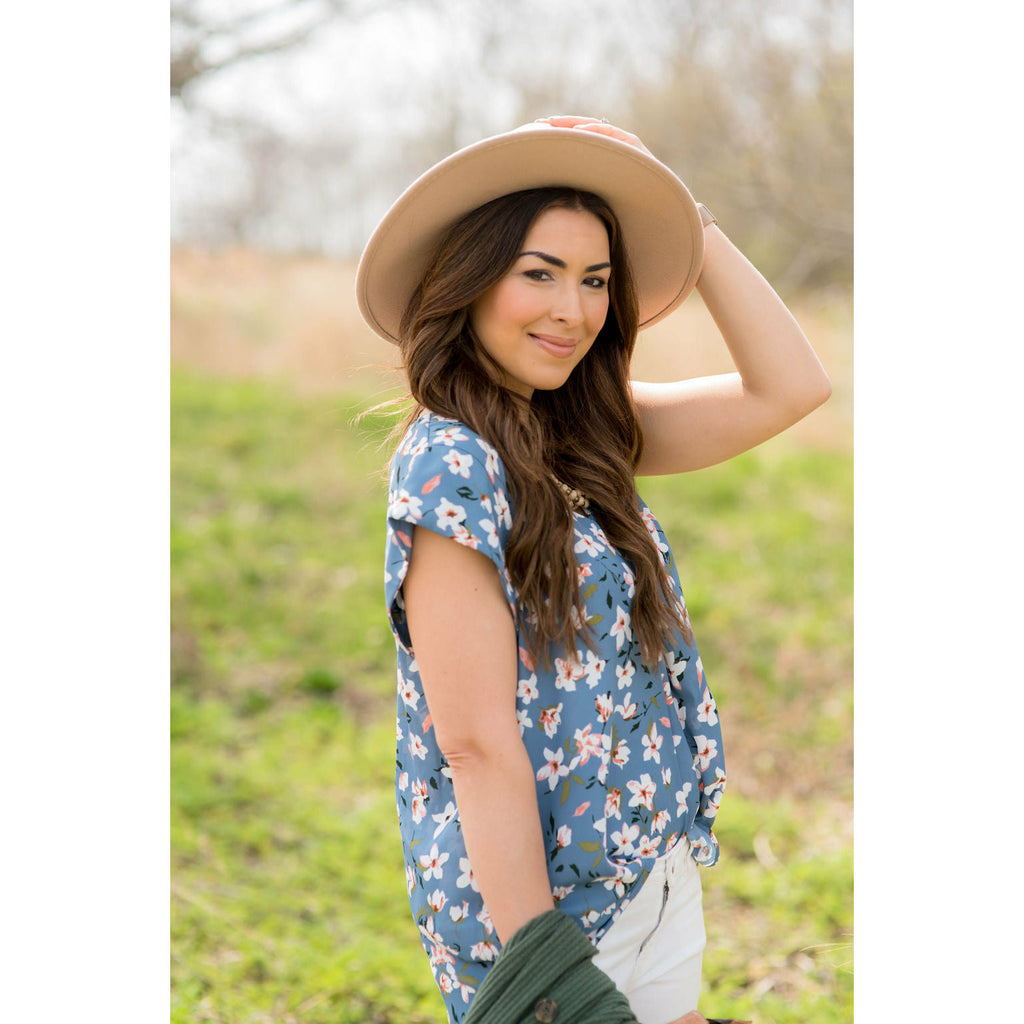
<point x="405" y="506"/>
<point x="719" y="782"/>
<point x="713" y="802"/>
<point x="712" y="794"/>
<point x="624" y="840"/>
<point x="484" y="917"/>
<point x="621" y="629"/>
<point x="628" y="707"/>
<point x="439" y="952"/>
<point x="466" y="878"/>
<point x="703" y="851"/>
<point x="490" y="532"/>
<point x="588" y="744"/>
<point x="418" y="448"/>
<point x="613" y="803"/>
<point x="449" y="435"/>
<point x="707" y="710"/>
<point x="563" y="837"/>
<point x="629" y="580"/>
<point x="433" y="864"/>
<point x="485" y="950"/>
<point x="625" y="673"/>
<point x="621" y="755"/>
<point x="643" y="792"/>
<point x="527" y="690"/>
<point x="676" y="668"/>
<point x="419" y="809"/>
<point x="567" y="672"/>
<point x="648" y="846"/>
<point x="459" y="913"/>
<point x="403" y="781"/>
<point x="410" y="878"/>
<point x="491" y="462"/>
<point x="707" y="750"/>
<point x="407" y="691"/>
<point x="436" y="901"/>
<point x="623" y="877"/>
<point x="559" y="892"/>
<point x="464" y="537"/>
<point x="604" y="706"/>
<point x="502" y="509"/>
<point x="523" y="720"/>
<point x="652" y="527"/>
<point x="652" y="744"/>
<point x="587" y="544"/>
<point x="661" y="819"/>
<point x="459" y="463"/>
<point x="682" y="798"/>
<point x="553" y="770"/>
<point x="417" y="747"/>
<point x="551" y="719"/>
<point x="442" y="819"/>
<point x="449" y="514"/>
<point x="593" y="668"/>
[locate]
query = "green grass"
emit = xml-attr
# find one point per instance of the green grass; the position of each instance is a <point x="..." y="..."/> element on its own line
<point x="288" y="891"/>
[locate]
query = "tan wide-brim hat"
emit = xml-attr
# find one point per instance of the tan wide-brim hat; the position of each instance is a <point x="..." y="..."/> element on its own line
<point x="661" y="225"/>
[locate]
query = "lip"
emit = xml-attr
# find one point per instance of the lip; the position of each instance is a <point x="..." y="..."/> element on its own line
<point x="562" y="348"/>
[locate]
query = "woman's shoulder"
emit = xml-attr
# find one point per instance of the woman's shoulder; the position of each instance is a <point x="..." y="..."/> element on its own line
<point x="434" y="437"/>
<point x="442" y="463"/>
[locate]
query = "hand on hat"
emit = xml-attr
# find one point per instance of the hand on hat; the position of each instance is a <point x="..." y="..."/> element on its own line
<point x="593" y="124"/>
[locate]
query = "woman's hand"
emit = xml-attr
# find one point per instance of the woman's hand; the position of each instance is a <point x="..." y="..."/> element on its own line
<point x="598" y="127"/>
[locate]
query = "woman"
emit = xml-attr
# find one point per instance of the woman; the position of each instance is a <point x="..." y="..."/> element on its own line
<point x="559" y="751"/>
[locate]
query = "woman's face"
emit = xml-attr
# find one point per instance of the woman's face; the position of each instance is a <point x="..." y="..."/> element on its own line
<point x="540" y="319"/>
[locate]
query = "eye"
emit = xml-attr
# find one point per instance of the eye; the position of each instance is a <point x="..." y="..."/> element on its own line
<point x="537" y="274"/>
<point x="597" y="283"/>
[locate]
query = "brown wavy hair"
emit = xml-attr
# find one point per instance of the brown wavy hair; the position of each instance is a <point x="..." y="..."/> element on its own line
<point x="586" y="433"/>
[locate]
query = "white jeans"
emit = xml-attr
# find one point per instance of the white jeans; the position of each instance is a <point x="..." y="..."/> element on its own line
<point x="653" y="951"/>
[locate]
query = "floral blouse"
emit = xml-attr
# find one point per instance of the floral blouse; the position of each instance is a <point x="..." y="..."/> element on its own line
<point x="628" y="760"/>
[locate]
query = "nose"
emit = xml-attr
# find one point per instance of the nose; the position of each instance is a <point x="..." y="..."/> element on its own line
<point x="568" y="306"/>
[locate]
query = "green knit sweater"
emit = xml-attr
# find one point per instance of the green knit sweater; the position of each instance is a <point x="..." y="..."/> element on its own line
<point x="544" y="973"/>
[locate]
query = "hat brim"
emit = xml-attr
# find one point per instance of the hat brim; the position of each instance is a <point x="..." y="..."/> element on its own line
<point x="660" y="222"/>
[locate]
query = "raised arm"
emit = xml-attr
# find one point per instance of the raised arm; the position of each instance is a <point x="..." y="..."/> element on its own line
<point x="690" y="424"/>
<point x="465" y="643"/>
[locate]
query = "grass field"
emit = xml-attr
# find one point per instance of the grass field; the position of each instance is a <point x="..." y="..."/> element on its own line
<point x="288" y="893"/>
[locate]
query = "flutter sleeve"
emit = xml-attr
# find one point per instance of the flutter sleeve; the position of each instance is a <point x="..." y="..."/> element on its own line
<point x="447" y="479"/>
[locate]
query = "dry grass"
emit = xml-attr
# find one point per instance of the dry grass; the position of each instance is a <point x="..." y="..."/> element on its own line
<point x="239" y="313"/>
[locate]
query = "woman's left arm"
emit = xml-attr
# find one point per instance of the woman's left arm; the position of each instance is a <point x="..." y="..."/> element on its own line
<point x="690" y="424"/>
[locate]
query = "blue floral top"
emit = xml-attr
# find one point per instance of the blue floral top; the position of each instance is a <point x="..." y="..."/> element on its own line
<point x="627" y="760"/>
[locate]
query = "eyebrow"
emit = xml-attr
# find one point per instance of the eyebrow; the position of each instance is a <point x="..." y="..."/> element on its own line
<point x="556" y="262"/>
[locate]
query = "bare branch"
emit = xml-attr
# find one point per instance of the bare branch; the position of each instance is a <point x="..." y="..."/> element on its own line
<point x="190" y="55"/>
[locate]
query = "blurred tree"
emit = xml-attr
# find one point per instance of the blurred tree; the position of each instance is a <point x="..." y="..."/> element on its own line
<point x="209" y="37"/>
<point x="750" y="102"/>
<point x="756" y="116"/>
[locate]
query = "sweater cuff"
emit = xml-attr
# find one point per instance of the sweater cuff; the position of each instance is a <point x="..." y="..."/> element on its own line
<point x="544" y="973"/>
